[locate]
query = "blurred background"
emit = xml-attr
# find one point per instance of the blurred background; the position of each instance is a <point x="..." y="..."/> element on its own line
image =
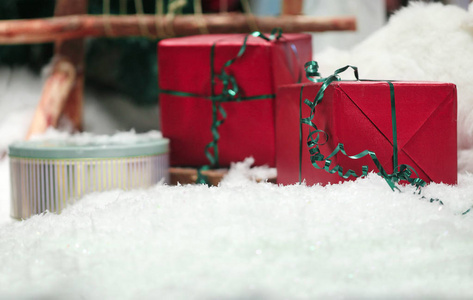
<point x="121" y="73"/>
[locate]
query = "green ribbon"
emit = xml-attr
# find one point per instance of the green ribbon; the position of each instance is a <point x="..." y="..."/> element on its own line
<point x="230" y="93"/>
<point x="317" y="137"/>
<point x="467" y="211"/>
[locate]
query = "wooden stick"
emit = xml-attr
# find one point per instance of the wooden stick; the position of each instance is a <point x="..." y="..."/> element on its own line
<point x="53" y="99"/>
<point x="189" y="176"/>
<point x="214" y="177"/>
<point x="80" y="26"/>
<point x="73" y="51"/>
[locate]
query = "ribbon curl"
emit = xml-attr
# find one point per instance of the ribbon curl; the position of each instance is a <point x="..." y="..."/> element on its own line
<point x="231" y="92"/>
<point x="318" y="137"/>
<point x="401" y="172"/>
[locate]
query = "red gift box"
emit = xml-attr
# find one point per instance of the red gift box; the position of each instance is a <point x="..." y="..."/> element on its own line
<point x="358" y="115"/>
<point x="249" y="127"/>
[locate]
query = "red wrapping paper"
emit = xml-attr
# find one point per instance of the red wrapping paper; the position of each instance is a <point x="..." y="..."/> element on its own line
<point x="358" y="114"/>
<point x="249" y="129"/>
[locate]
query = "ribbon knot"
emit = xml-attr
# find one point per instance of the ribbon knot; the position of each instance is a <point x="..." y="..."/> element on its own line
<point x="311" y="69"/>
<point x="230" y="89"/>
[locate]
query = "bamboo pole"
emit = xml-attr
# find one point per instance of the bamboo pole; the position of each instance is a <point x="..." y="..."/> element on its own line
<point x="80" y="26"/>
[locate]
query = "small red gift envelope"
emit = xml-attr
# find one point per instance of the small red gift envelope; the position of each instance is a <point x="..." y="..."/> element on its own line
<point x="359" y="115"/>
<point x="188" y="69"/>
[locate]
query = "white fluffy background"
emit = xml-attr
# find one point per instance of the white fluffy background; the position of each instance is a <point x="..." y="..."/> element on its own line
<point x="247" y="240"/>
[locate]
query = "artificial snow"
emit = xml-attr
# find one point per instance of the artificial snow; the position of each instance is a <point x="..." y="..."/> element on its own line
<point x="19" y="93"/>
<point x="87" y="138"/>
<point x="249" y="240"/>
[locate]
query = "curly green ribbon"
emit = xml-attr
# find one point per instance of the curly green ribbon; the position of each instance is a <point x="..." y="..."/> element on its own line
<point x="400" y="172"/>
<point x="467" y="211"/>
<point x="317" y="137"/>
<point x="230" y="92"/>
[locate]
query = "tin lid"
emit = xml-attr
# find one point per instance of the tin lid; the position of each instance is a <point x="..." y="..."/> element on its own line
<point x="73" y="148"/>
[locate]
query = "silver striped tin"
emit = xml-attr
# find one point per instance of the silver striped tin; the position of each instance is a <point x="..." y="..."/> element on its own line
<point x="49" y="175"/>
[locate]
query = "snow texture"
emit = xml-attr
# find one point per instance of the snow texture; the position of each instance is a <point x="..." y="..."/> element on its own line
<point x="87" y="138"/>
<point x="19" y="90"/>
<point x="248" y="240"/>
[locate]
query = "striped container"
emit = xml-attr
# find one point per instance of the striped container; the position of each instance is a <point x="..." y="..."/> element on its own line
<point x="49" y="175"/>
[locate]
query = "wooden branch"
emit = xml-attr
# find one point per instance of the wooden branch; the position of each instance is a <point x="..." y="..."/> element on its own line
<point x="53" y="99"/>
<point x="189" y="176"/>
<point x="73" y="51"/>
<point x="80" y="26"/>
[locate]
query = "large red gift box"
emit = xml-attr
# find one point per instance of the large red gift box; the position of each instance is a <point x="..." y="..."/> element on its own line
<point x="249" y="127"/>
<point x="358" y="115"/>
